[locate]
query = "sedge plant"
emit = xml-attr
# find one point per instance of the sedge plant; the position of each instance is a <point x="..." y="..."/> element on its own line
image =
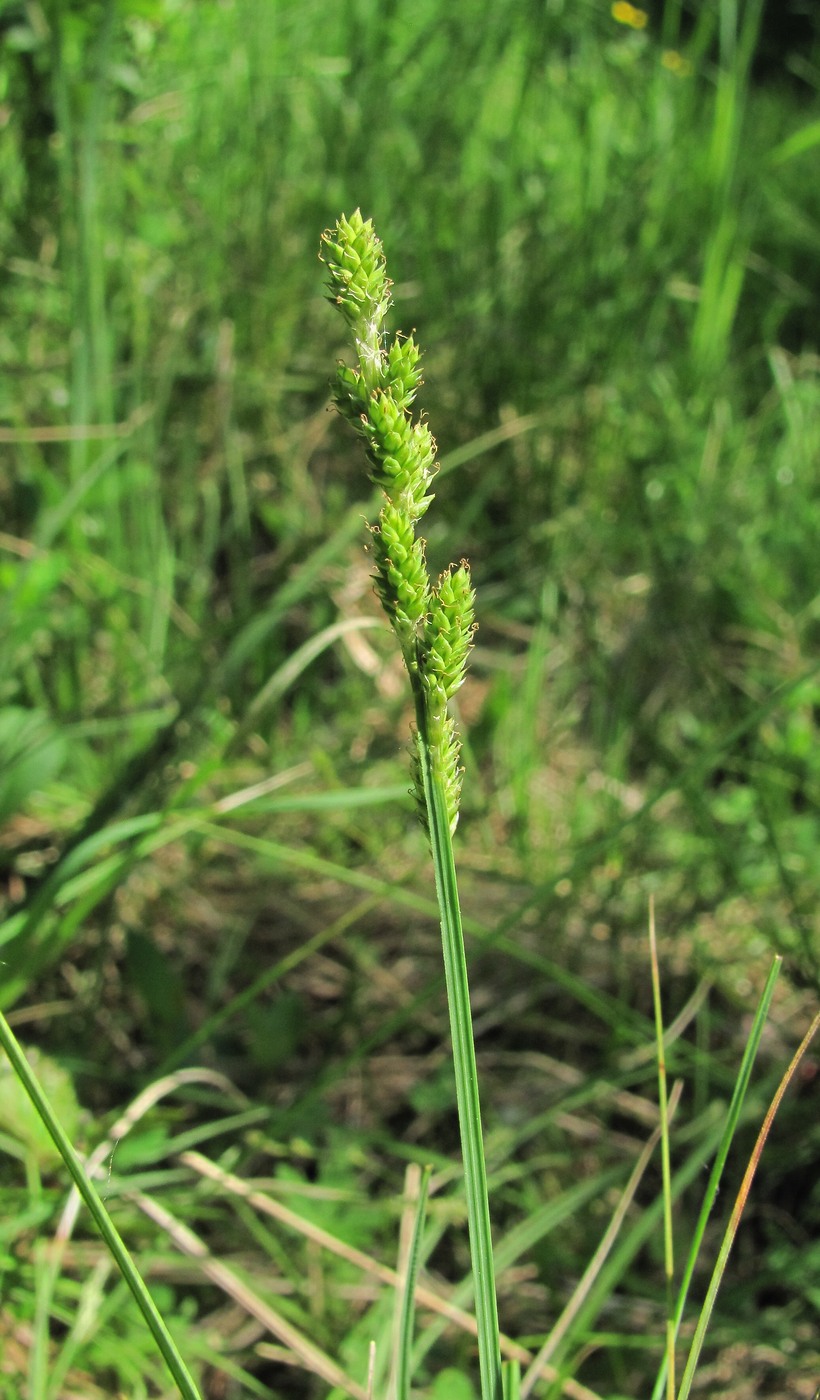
<point x="434" y="623"/>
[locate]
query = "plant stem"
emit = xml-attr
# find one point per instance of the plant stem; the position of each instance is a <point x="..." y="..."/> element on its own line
<point x="466" y="1076"/>
<point x="434" y="624"/>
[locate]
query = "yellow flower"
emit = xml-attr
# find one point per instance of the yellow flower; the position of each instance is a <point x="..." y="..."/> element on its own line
<point x="625" y="13"/>
<point x="676" y="63"/>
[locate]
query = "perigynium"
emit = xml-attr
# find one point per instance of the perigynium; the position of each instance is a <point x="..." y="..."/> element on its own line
<point x="434" y="623"/>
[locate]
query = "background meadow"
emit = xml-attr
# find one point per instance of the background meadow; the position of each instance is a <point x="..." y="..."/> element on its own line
<point x="604" y="226"/>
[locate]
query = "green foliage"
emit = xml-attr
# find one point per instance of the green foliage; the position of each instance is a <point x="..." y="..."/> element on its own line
<point x="32" y="752"/>
<point x="19" y="1117"/>
<point x="452" y="1385"/>
<point x="608" y="240"/>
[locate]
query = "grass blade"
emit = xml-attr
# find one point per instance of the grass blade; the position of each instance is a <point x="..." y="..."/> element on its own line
<point x="406" y="1315"/>
<point x="165" y="1342"/>
<point x="739" y="1206"/>
<point x="668" y="1246"/>
<point x="732" y="1120"/>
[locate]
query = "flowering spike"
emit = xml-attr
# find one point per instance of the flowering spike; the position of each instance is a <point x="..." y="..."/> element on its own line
<point x="435" y="626"/>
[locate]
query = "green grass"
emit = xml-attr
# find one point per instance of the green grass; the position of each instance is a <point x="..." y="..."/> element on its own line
<point x="208" y="851"/>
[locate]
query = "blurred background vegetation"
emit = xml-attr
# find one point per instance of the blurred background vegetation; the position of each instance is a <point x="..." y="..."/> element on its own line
<point x="604" y="225"/>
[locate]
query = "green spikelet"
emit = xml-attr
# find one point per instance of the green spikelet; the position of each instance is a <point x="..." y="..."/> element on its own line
<point x="449" y="628"/>
<point x="401" y="580"/>
<point x="357" y="275"/>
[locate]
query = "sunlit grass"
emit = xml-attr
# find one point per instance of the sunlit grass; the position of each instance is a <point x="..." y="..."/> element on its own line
<point x="607" y="234"/>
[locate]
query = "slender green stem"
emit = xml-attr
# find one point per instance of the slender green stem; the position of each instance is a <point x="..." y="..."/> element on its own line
<point x="737" y="1211"/>
<point x="408" y="1302"/>
<point x="511" y="1376"/>
<point x="466" y="1076"/>
<point x="713" y="1185"/>
<point x="666" y="1168"/>
<point x="165" y="1342"/>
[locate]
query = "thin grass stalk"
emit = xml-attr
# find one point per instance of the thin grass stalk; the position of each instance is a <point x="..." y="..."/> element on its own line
<point x="168" y="1349"/>
<point x="401" y="1390"/>
<point x="737" y="1211"/>
<point x="565" y="1322"/>
<point x="466" y="1077"/>
<point x="713" y="1185"/>
<point x="727" y="241"/>
<point x="511" y="1379"/>
<point x="666" y="1169"/>
<point x="309" y="1356"/>
<point x="38" y="1368"/>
